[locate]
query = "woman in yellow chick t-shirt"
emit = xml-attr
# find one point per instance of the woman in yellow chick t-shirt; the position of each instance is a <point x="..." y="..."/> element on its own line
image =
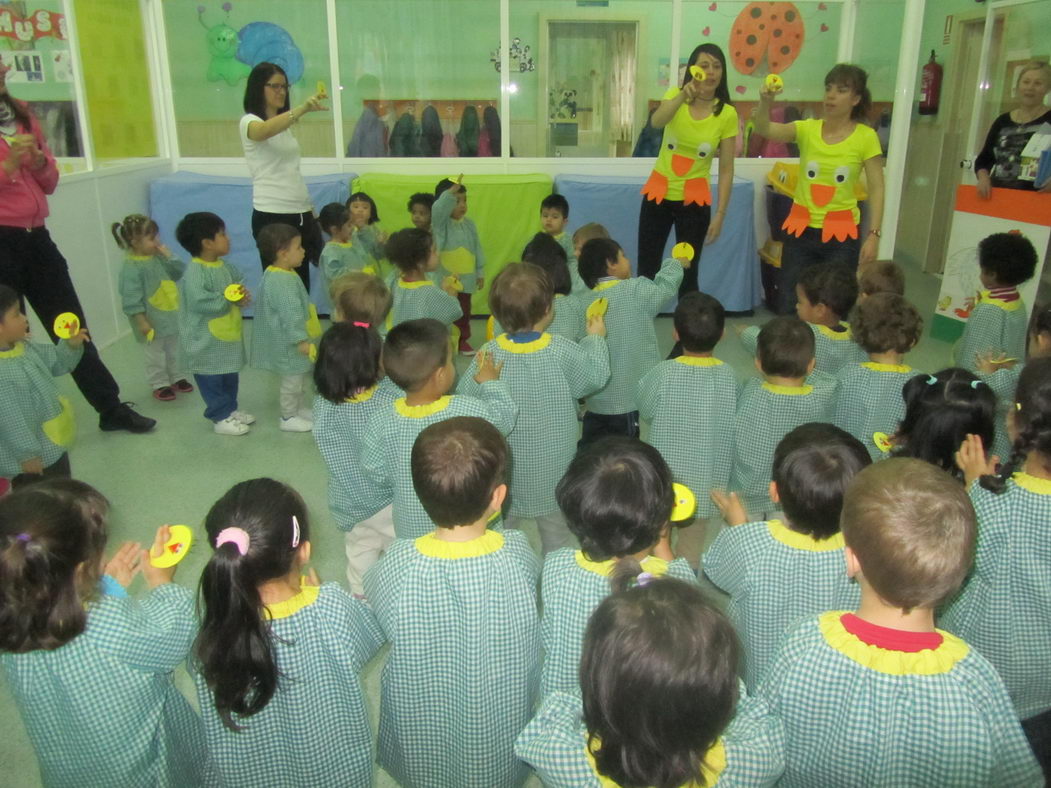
<point x="823" y="222"/>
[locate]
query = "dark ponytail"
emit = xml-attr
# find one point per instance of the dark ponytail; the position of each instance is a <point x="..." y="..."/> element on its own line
<point x="1032" y="420"/>
<point x="348" y="360"/>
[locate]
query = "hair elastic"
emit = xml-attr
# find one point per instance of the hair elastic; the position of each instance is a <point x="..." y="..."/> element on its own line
<point x="644" y="578"/>
<point x="931" y="380"/>
<point x="295" y="532"/>
<point x="359" y="324"/>
<point x="24" y="537"/>
<point x="238" y="536"/>
<point x="1018" y="406"/>
<point x="974" y="383"/>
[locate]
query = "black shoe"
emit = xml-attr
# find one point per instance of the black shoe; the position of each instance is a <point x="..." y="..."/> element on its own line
<point x="123" y="417"/>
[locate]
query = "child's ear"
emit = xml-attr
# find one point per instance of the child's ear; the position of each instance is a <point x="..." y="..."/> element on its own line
<point x="773" y="493"/>
<point x="851" y="559"/>
<point x="496" y="502"/>
<point x="758" y="364"/>
<point x="303" y="553"/>
<point x="810" y="366"/>
<point x="675" y="335"/>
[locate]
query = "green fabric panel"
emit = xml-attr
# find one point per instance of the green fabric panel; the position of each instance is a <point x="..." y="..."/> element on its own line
<point x="946" y="329"/>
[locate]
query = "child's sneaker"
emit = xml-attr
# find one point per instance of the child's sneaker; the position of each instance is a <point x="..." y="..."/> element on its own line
<point x="296" y="424"/>
<point x="230" y="426"/>
<point x="244" y="418"/>
<point x="164" y="394"/>
<point x="465" y="349"/>
<point x="183" y="386"/>
<point x="306" y="414"/>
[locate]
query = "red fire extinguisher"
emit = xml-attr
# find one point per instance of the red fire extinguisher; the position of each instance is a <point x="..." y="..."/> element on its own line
<point x="930" y="87"/>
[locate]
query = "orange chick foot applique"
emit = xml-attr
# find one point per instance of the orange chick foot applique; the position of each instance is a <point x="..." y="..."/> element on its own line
<point x="839" y="225"/>
<point x="797" y="220"/>
<point x="656" y="187"/>
<point x="696" y="190"/>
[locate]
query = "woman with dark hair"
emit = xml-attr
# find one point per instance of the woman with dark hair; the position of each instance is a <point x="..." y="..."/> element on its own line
<point x="279" y="193"/>
<point x="823" y="222"/>
<point x="32" y="265"/>
<point x="699" y="121"/>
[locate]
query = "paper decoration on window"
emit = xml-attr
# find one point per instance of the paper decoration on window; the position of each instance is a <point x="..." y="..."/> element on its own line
<point x="519" y="58"/>
<point x="39" y="24"/>
<point x="766" y="31"/>
<point x="234" y="54"/>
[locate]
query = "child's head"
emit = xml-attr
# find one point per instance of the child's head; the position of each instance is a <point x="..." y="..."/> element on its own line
<point x="617" y="497"/>
<point x="137" y="234"/>
<point x="417" y="352"/>
<point x="335" y="220"/>
<point x="280" y="245"/>
<point x="412" y="251"/>
<point x="202" y="233"/>
<point x="658" y="680"/>
<point x="520" y="297"/>
<point x="461" y="198"/>
<point x="881" y="276"/>
<point x="420" y="210"/>
<point x="359" y="298"/>
<point x="546" y="252"/>
<point x="554" y="213"/>
<point x="362" y="209"/>
<point x="52" y="536"/>
<point x="910" y="531"/>
<point x="813" y="466"/>
<point x="602" y="257"/>
<point x="940" y="411"/>
<point x="458" y="470"/>
<point x="785" y="348"/>
<point x="259" y="531"/>
<point x="348" y="361"/>
<point x="699" y="320"/>
<point x="14" y="326"/>
<point x="826" y="293"/>
<point x="1006" y="259"/>
<point x="884" y="323"/>
<point x="1038" y="343"/>
<point x="585" y="233"/>
<point x="1029" y="424"/>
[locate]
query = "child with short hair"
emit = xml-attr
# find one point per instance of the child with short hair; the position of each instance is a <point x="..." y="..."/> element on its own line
<point x="869" y="403"/>
<point x="632" y="304"/>
<point x="546" y="375"/>
<point x="362" y="298"/>
<point x="879" y="696"/>
<point x="341" y="255"/>
<point x="210" y="331"/>
<point x="788" y="394"/>
<point x="36" y="422"/>
<point x="685" y="400"/>
<point x="417" y="356"/>
<point x="89" y="667"/>
<point x="414" y="254"/>
<point x="419" y="208"/>
<point x="554" y="216"/>
<point x="150" y="299"/>
<point x="459" y="249"/>
<point x="286" y="324"/>
<point x="777" y="571"/>
<point x="658" y="691"/>
<point x="617" y="497"/>
<point x="278" y="654"/>
<point x="880" y="276"/>
<point x="458" y="604"/>
<point x="585" y="233"/>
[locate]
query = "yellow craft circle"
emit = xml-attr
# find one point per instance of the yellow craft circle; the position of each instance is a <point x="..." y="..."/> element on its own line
<point x="682" y="250"/>
<point x="773" y="82"/>
<point x="151" y="335"/>
<point x="453" y="282"/>
<point x="697" y="73"/>
<point x="234" y="292"/>
<point x="312" y="353"/>
<point x="322" y="91"/>
<point x="882" y="441"/>
<point x="685" y="503"/>
<point x="597" y="308"/>
<point x="67" y="325"/>
<point x="175" y="549"/>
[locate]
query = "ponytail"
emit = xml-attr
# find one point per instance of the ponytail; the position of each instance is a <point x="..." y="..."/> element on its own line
<point x="133" y="227"/>
<point x="348" y="360"/>
<point x="1032" y="420"/>
<point x="627" y="573"/>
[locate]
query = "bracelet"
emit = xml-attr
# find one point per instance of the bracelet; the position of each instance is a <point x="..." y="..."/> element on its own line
<point x="294" y="119"/>
<point x="877" y="233"/>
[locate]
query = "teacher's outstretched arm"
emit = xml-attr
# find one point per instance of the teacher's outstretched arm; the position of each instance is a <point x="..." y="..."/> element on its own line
<point x="764" y="127"/>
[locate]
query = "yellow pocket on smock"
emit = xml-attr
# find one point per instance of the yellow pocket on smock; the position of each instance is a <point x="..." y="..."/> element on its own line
<point x="63" y="428"/>
<point x="166" y="297"/>
<point x="313" y="325"/>
<point x="458" y="261"/>
<point x="228" y="327"/>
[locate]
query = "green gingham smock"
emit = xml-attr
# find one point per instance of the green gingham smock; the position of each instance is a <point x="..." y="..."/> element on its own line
<point x="832" y="349"/>
<point x="339" y="258"/>
<point x="1004" y="383"/>
<point x="417" y="300"/>
<point x="565" y="240"/>
<point x="546" y="377"/>
<point x="994" y="326"/>
<point x="459" y="249"/>
<point x="869" y="401"/>
<point x="284" y="317"/>
<point x="210" y="331"/>
<point x="462" y="675"/>
<point x="690" y="401"/>
<point x="147" y="286"/>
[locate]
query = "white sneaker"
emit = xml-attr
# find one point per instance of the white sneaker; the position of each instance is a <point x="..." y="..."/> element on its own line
<point x="230" y="426"/>
<point x="241" y="416"/>
<point x="306" y="414"/>
<point x="296" y="424"/>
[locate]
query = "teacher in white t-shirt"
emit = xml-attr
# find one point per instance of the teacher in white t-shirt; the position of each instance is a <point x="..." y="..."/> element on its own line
<point x="279" y="193"/>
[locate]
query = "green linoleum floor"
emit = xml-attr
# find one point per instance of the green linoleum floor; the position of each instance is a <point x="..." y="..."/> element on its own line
<point x="174" y="475"/>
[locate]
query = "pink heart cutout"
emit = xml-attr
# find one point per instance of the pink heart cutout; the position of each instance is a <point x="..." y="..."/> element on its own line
<point x="740" y="89"/>
<point x="822" y="7"/>
<point x="711" y="7"/>
<point x="824" y="28"/>
<point x="706" y="32"/>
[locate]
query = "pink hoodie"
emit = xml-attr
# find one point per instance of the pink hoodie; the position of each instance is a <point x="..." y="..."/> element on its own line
<point x="23" y="200"/>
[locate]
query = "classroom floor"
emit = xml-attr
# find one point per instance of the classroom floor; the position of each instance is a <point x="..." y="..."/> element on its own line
<point x="175" y="474"/>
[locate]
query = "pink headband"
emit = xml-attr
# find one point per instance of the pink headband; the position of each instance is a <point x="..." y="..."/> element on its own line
<point x="359" y="324"/>
<point x="238" y="536"/>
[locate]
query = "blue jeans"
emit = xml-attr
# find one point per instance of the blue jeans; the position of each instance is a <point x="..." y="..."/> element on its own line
<point x="601" y="425"/>
<point x="805" y="251"/>
<point x="219" y="393"/>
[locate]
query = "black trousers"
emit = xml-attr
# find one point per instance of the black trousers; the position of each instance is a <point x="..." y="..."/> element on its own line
<point x="31" y="264"/>
<point x="601" y="425"/>
<point x="655" y="222"/>
<point x="800" y="253"/>
<point x="308" y="227"/>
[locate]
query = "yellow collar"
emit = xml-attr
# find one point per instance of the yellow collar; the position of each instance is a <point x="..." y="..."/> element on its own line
<point x="607" y="285"/>
<point x="364" y="396"/>
<point x="798" y="541"/>
<point x="1027" y="482"/>
<point x="421" y="411"/>
<point x="698" y="361"/>
<point x="307" y="596"/>
<point x="16" y="351"/>
<point x="138" y="258"/>
<point x="652" y="564"/>
<point x="342" y="244"/>
<point x="895" y="663"/>
<point x="433" y="547"/>
<point x="791" y="391"/>
<point x="208" y="263"/>
<point x="828" y="332"/>
<point x="523" y="347"/>
<point x="413" y="285"/>
<point x="278" y="270"/>
<point x="712" y="765"/>
<point x="878" y="367"/>
<point x="984" y="297"/>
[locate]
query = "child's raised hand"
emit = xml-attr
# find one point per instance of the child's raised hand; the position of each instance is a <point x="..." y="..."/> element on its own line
<point x="987" y="364"/>
<point x="164" y="250"/>
<point x="246" y="299"/>
<point x="730" y="506"/>
<point x="596" y="325"/>
<point x="125" y="563"/>
<point x="487" y="368"/>
<point x="79" y="338"/>
<point x="157" y="575"/>
<point x="457" y="186"/>
<point x="971" y="459"/>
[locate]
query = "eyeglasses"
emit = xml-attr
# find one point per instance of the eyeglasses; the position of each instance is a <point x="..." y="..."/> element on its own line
<point x="277" y="86"/>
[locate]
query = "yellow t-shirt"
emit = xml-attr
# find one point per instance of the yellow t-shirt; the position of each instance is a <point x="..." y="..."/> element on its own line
<point x="689" y="146"/>
<point x="827" y="173"/>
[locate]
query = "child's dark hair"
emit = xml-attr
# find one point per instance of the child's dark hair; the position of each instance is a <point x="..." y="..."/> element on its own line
<point x="413" y="350"/>
<point x="362" y="197"/>
<point x="348" y="361"/>
<point x="234" y="651"/>
<point x="333" y="215"/>
<point x="885" y="322"/>
<point x="456" y="465"/>
<point x="813" y="466"/>
<point x="1032" y="422"/>
<point x="360" y="298"/>
<point x="595" y="258"/>
<point x="255" y="89"/>
<point x="699" y="320"/>
<point x="785" y="347"/>
<point x="8" y="298"/>
<point x="273" y="239"/>
<point x="421" y="198"/>
<point x="1010" y="257"/>
<point x="658" y="680"/>
<point x="544" y="251"/>
<point x="831" y="284"/>
<point x="47" y="530"/>
<point x="881" y="276"/>
<point x="134" y="227"/>
<point x="616" y="496"/>
<point x="444" y="185"/>
<point x="556" y="202"/>
<point x="520" y="296"/>
<point x="1039" y="323"/>
<point x="855" y="78"/>
<point x="409" y="249"/>
<point x="940" y="411"/>
<point x="195" y="228"/>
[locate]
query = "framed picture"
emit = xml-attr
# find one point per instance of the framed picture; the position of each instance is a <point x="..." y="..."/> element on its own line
<point x="1012" y="71"/>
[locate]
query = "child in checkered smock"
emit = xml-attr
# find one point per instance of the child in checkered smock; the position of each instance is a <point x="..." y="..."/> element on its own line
<point x="657" y="698"/>
<point x="459" y="248"/>
<point x="617" y="497"/>
<point x="869" y="403"/>
<point x="1004" y="609"/>
<point x="774" y="571"/>
<point x="414" y="254"/>
<point x="90" y="668"/>
<point x="341" y="254"/>
<point x="418" y="359"/>
<point x="546" y="375"/>
<point x="632" y="303"/>
<point x="459" y="607"/>
<point x="278" y="656"/>
<point x="789" y="394"/>
<point x="879" y="696"/>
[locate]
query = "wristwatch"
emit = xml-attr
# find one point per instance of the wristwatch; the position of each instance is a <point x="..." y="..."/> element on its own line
<point x="877" y="233"/>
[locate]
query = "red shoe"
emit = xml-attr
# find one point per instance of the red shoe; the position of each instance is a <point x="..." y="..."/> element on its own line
<point x="465" y="349"/>
<point x="183" y="386"/>
<point x="164" y="394"/>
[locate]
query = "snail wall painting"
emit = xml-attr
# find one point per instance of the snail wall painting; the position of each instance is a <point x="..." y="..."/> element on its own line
<point x="233" y="52"/>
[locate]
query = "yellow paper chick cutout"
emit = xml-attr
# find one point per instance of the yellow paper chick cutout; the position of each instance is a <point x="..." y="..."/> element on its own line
<point x="151" y="335"/>
<point x="773" y="82"/>
<point x="685" y="503"/>
<point x="682" y="250"/>
<point x="882" y="441"/>
<point x="597" y="308"/>
<point x="322" y="91"/>
<point x="453" y="282"/>
<point x="175" y="549"/>
<point x="697" y="73"/>
<point x="234" y="292"/>
<point x="67" y="325"/>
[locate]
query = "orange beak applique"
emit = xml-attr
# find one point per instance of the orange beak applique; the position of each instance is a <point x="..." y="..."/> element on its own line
<point x="696" y="190"/>
<point x="656" y="187"/>
<point x="821" y="194"/>
<point x="681" y="165"/>
<point x="839" y="225"/>
<point x="797" y="220"/>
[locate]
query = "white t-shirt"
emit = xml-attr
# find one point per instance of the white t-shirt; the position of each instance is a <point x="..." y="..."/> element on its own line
<point x="277" y="184"/>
